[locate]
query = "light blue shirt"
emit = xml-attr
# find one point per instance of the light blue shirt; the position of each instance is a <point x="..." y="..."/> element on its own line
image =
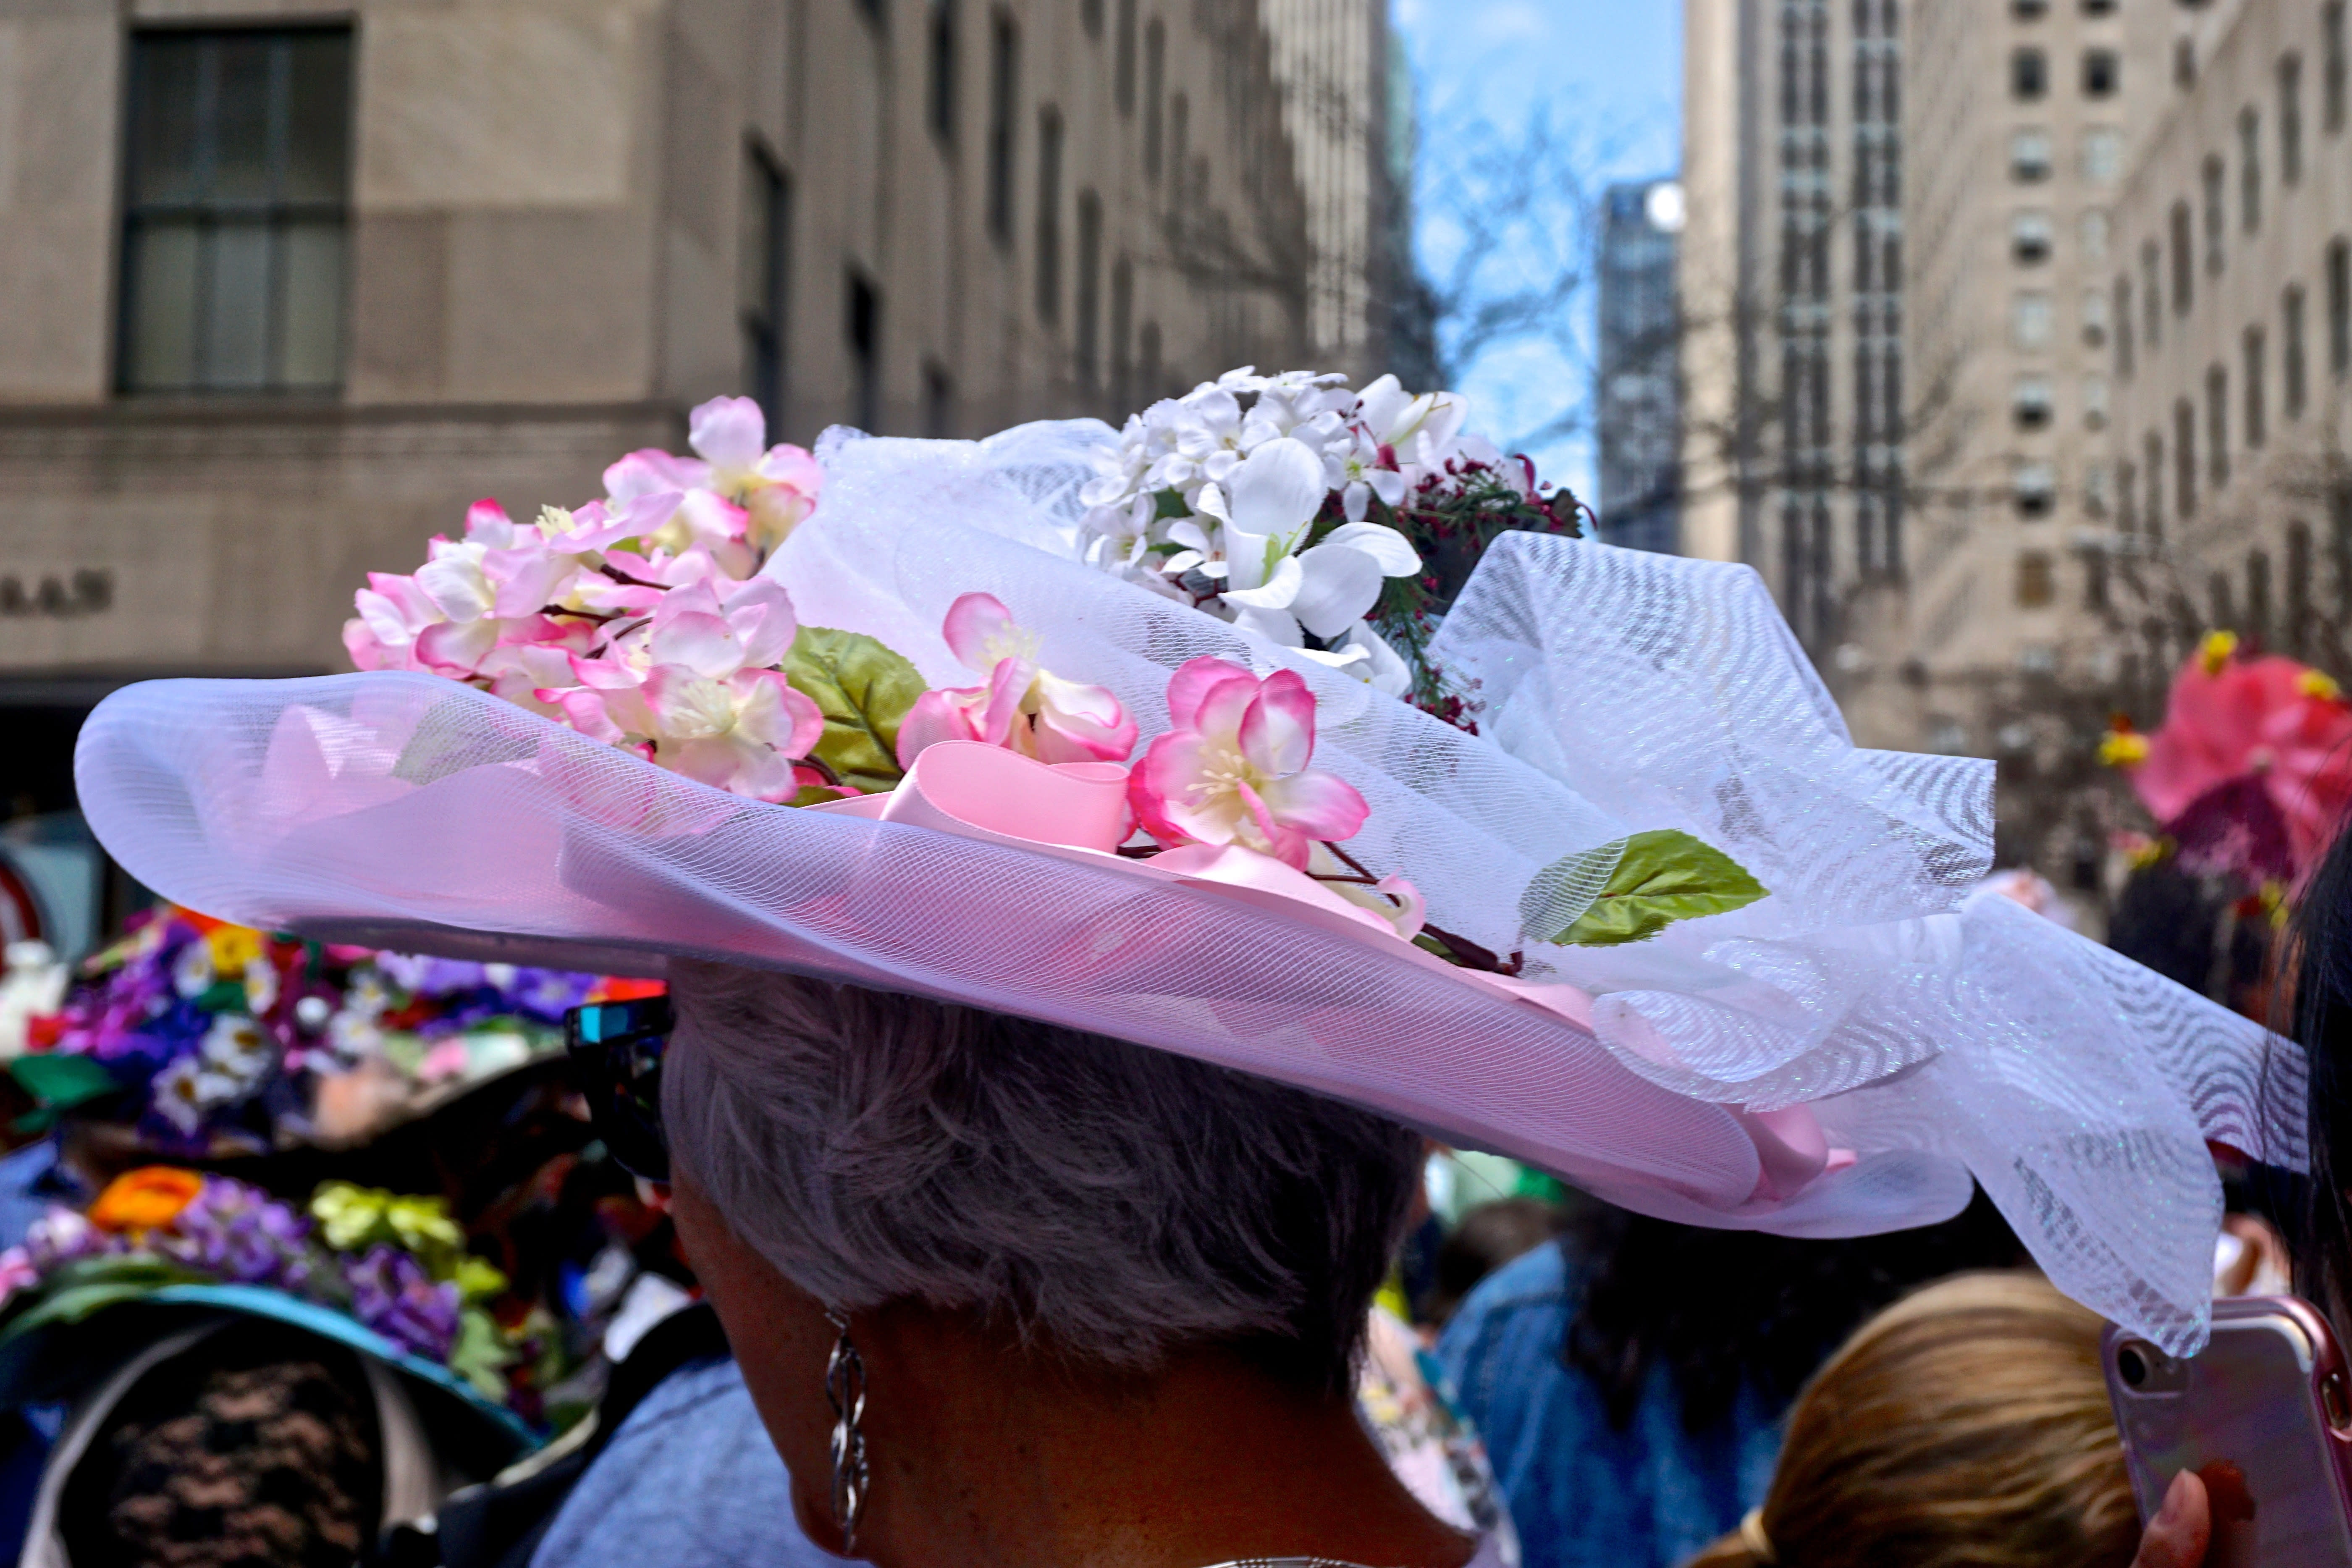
<point x="1585" y="1493"/>
<point x="690" y="1480"/>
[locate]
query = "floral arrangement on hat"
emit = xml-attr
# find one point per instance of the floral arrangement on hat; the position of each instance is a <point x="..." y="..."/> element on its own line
<point x="2252" y="770"/>
<point x="225" y="1038"/>
<point x="397" y="1264"/>
<point x="1309" y="513"/>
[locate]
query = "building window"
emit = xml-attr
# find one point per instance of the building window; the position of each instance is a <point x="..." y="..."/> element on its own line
<point x="2124" y="346"/>
<point x="2028" y="156"/>
<point x="939" y="402"/>
<point x="2037" y="582"/>
<point x="2217" y="427"/>
<point x="2103" y="156"/>
<point x="2098" y="492"/>
<point x="1089" y="336"/>
<point x="1003" y="87"/>
<point x="2127" y="496"/>
<point x="1123" y="59"/>
<point x="1149" y="374"/>
<point x="2030" y="403"/>
<point x="2028" y="74"/>
<point x="2028" y="320"/>
<point x="2217" y="221"/>
<point x="2184" y="261"/>
<point x="2099" y="7"/>
<point x="2184" y="458"/>
<point x="1122" y="339"/>
<point x="2154" y="446"/>
<point x="2339" y="307"/>
<point x="2249" y="174"/>
<point x="2151" y="304"/>
<point x="2290" y="118"/>
<point x="1179" y="126"/>
<point x="2028" y="10"/>
<point x="1091" y="16"/>
<point x="942" y="99"/>
<point x="2184" y="63"/>
<point x="2257" y="413"/>
<point x="2030" y="237"/>
<point x="2094" y="318"/>
<point x="865" y="334"/>
<point x="2258" y="594"/>
<point x="2094" y="402"/>
<point x="2094" y="227"/>
<point x="2293" y="375"/>
<point x="2033" y="486"/>
<point x="2101" y="70"/>
<point x="1049" y="214"/>
<point x="1155" y="76"/>
<point x="2298" y="587"/>
<point x="761" y="276"/>
<point x="2331" y="65"/>
<point x="238" y="190"/>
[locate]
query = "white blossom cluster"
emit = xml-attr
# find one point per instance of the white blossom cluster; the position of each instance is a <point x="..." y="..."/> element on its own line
<point x="1213" y="499"/>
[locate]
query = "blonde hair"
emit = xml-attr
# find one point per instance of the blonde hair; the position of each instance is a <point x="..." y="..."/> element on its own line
<point x="1967" y="1425"/>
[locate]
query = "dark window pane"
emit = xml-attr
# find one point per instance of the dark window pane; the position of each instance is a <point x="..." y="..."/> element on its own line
<point x="318" y="119"/>
<point x="159" y="263"/>
<point x="164" y="133"/>
<point x="235" y="298"/>
<point x="243" y="109"/>
<point x="311" y="305"/>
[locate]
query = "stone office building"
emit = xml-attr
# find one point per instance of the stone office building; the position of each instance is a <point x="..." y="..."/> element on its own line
<point x="288" y="283"/>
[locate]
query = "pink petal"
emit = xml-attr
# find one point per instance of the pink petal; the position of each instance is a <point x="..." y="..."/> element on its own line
<point x="488" y="516"/>
<point x="1008" y="689"/>
<point x="761" y="611"/>
<point x="525" y="578"/>
<point x="604" y="674"/>
<point x="370" y="652"/>
<point x="793" y="467"/>
<point x="1275" y="837"/>
<point x="1081" y="723"/>
<point x="704" y="644"/>
<point x="1224" y="707"/>
<point x="973" y="622"/>
<point x="1159" y="785"/>
<point x="729" y="431"/>
<point x="410" y="602"/>
<point x="650" y="470"/>
<point x="937" y="715"/>
<point x="583" y="710"/>
<point x="1277" y="732"/>
<point x="1191" y="683"/>
<point x="455" y="647"/>
<point x="1317" y="805"/>
<point x="772" y="713"/>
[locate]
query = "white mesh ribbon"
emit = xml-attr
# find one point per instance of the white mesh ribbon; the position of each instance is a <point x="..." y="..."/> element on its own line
<point x="1928" y="1035"/>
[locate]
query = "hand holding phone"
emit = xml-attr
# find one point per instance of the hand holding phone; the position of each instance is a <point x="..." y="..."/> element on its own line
<point x="2262" y="1415"/>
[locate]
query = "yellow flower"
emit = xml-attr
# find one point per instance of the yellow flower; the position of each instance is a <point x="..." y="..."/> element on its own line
<point x="2311" y="683"/>
<point x="234" y="947"/>
<point x="148" y="1198"/>
<point x="2215" y="650"/>
<point x="352" y="1217"/>
<point x="2123" y="748"/>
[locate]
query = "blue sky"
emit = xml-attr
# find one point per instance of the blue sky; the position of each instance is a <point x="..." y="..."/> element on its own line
<point x="1609" y="71"/>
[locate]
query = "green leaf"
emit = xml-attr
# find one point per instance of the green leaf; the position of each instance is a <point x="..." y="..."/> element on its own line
<point x="480" y="1355"/>
<point x="863" y="690"/>
<point x="817" y="795"/>
<point x="80" y="1290"/>
<point x="1169" y="504"/>
<point x="1646" y="883"/>
<point x="59" y="1080"/>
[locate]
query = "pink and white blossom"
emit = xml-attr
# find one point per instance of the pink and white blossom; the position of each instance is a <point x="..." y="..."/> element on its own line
<point x="1023" y="706"/>
<point x="1234" y="768"/>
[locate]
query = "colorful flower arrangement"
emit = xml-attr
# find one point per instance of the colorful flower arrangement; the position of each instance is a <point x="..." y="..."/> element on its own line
<point x="395" y="1264"/>
<point x="2250" y="770"/>
<point x="228" y="1038"/>
<point x="1286" y="504"/>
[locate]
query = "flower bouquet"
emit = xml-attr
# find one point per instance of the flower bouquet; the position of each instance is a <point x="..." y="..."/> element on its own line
<point x="395" y="1265"/>
<point x="215" y="1039"/>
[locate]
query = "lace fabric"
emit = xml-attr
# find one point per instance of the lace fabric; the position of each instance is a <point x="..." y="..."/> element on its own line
<point x="1933" y="1033"/>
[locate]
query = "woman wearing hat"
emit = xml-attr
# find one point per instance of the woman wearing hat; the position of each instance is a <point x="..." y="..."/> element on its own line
<point x="1073" y="928"/>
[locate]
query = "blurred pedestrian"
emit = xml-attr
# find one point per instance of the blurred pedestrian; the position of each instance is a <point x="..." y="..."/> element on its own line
<point x="1628" y="1379"/>
<point x="1965" y="1427"/>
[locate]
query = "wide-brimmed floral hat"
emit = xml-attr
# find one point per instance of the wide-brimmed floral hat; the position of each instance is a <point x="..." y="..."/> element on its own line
<point x="1173" y="734"/>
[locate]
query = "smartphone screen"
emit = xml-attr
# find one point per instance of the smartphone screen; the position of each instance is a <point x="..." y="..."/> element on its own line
<point x="2258" y="1415"/>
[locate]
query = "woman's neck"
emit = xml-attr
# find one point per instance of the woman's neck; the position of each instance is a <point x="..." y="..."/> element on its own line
<point x="986" y="1457"/>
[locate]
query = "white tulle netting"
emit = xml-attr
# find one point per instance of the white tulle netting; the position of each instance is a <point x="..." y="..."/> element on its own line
<point x="1935" y="1034"/>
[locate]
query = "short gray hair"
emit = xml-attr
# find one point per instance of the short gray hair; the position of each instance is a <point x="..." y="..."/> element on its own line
<point x="1109" y="1200"/>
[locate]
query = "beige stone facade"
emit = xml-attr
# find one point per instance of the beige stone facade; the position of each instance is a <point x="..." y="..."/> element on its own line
<point x="562" y="222"/>
<point x="2235" y="373"/>
<point x="2020" y="120"/>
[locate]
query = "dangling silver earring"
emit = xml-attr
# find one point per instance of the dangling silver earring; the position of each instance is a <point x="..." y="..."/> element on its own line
<point x="844" y="1390"/>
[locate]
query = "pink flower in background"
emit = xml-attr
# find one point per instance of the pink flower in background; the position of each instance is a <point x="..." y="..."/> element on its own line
<point x="2252" y="768"/>
<point x="1023" y="707"/>
<point x="1233" y="770"/>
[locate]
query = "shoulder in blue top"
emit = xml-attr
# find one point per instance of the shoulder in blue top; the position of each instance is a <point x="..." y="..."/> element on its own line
<point x="1581" y="1491"/>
